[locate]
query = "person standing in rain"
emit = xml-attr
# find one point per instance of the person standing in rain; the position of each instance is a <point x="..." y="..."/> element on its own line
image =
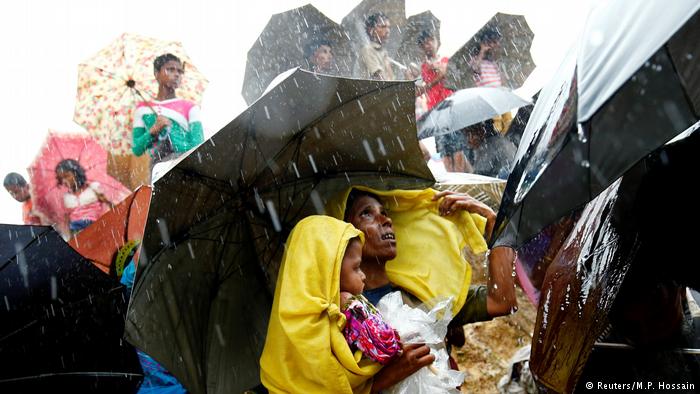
<point x="487" y="73"/>
<point x="433" y="72"/>
<point x="484" y="64"/>
<point x="319" y="56"/>
<point x="374" y="61"/>
<point x="17" y="186"/>
<point x="168" y="126"/>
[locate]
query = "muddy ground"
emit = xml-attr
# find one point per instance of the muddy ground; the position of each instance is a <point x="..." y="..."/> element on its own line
<point x="490" y="345"/>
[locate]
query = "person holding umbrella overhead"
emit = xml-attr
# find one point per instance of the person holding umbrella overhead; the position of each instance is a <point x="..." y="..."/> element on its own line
<point x="433" y="73"/>
<point x="319" y="55"/>
<point x="168" y="126"/>
<point x="374" y="61"/>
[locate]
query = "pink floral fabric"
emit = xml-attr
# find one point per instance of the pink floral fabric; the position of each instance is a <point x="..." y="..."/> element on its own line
<point x="366" y="330"/>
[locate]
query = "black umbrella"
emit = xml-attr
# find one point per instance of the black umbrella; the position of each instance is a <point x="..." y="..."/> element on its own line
<point x="625" y="240"/>
<point x="62" y="319"/>
<point x="284" y="43"/>
<point x="219" y="218"/>
<point x="624" y="93"/>
<point x="513" y="55"/>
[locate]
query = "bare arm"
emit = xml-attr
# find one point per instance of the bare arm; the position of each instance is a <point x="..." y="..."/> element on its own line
<point x="501" y="298"/>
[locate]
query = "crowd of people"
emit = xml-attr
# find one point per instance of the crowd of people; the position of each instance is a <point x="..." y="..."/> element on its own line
<point x="163" y="128"/>
<point x="484" y="148"/>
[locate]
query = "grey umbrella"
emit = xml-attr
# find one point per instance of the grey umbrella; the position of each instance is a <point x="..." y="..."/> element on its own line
<point x="219" y="218"/>
<point x="283" y="43"/>
<point x="467" y="107"/>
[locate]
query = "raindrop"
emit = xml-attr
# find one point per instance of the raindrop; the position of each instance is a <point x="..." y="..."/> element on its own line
<point x="54" y="288"/>
<point x="400" y="143"/>
<point x="688" y="56"/>
<point x="313" y="164"/>
<point x="220" y="335"/>
<point x="267" y="112"/>
<point x="164" y="233"/>
<point x="368" y="150"/>
<point x="581" y="134"/>
<point x="585" y="164"/>
<point x="318" y="203"/>
<point x="211" y="140"/>
<point x="338" y="95"/>
<point x="296" y="170"/>
<point x="273" y="215"/>
<point x="258" y="200"/>
<point x="22" y="263"/>
<point x="362" y="109"/>
<point x="7" y="303"/>
<point x="382" y="150"/>
<point x="189" y="247"/>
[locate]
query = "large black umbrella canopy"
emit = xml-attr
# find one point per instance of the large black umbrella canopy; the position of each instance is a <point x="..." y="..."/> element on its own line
<point x="62" y="319"/>
<point x="282" y="43"/>
<point x="513" y="56"/>
<point x="623" y="92"/>
<point x="618" y="241"/>
<point x="354" y="26"/>
<point x="218" y="219"/>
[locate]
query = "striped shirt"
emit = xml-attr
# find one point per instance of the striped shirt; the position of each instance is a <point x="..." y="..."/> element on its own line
<point x="488" y="76"/>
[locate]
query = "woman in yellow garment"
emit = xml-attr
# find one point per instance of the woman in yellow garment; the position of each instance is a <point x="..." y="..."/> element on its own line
<point x="413" y="243"/>
<point x="305" y="350"/>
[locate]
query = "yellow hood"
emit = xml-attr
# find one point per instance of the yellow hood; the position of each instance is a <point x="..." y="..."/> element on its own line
<point x="429" y="262"/>
<point x="305" y="351"/>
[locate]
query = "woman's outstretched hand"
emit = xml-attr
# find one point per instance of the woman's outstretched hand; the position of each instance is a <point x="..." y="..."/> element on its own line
<point x="452" y="201"/>
<point x="413" y="358"/>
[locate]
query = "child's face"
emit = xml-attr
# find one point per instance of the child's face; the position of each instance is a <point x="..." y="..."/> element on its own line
<point x="66" y="178"/>
<point x="429" y="46"/>
<point x="322" y="57"/>
<point x="170" y="74"/>
<point x="352" y="279"/>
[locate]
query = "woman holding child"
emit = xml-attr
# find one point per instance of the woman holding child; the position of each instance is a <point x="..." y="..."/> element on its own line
<point x="433" y="229"/>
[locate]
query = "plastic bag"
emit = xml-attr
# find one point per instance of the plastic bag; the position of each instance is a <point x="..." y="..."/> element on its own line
<point x="422" y="325"/>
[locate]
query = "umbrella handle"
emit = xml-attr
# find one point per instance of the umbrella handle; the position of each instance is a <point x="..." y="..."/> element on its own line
<point x="148" y="104"/>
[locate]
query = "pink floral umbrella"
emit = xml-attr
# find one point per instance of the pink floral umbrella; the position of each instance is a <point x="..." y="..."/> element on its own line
<point x="47" y="194"/>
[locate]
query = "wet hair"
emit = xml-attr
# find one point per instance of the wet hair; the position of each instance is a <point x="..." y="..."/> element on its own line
<point x="489" y="34"/>
<point x="311" y="46"/>
<point x="424" y="35"/>
<point x="14" y="179"/>
<point x="355" y="195"/>
<point x="162" y="59"/>
<point x="70" y="165"/>
<point x="374" y="19"/>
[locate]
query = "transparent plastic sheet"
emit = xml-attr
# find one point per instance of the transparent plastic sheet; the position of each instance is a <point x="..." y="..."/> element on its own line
<point x="422" y="325"/>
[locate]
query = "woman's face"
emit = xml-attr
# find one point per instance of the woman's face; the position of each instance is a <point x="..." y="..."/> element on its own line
<point x="67" y="179"/>
<point x="352" y="279"/>
<point x="369" y="216"/>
